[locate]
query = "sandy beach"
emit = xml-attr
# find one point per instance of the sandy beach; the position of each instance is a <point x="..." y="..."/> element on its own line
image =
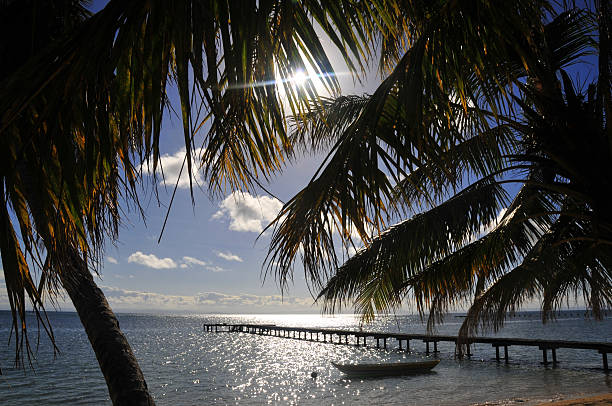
<point x="599" y="400"/>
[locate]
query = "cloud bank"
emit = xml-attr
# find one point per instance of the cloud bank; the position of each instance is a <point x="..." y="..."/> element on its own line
<point x="203" y="302"/>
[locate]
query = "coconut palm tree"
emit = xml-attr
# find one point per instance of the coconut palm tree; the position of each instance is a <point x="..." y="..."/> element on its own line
<point x="81" y="108"/>
<point x="496" y="159"/>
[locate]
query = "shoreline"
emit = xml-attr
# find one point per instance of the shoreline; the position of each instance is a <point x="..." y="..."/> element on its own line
<point x="576" y="399"/>
<point x="604" y="399"/>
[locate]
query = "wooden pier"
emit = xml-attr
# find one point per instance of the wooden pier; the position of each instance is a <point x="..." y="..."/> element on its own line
<point x="360" y="338"/>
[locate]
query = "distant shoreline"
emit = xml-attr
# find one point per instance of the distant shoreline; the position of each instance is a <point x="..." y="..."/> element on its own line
<point x="578" y="312"/>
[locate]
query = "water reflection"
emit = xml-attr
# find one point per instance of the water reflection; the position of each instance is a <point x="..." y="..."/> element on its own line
<point x="185" y="365"/>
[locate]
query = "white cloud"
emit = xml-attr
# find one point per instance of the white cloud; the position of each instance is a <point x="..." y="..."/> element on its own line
<point x="118" y="276"/>
<point x="189" y="262"/>
<point x="248" y="212"/>
<point x="152" y="261"/>
<point x="228" y="256"/>
<point x="205" y="301"/>
<point x="214" y="268"/>
<point x="193" y="261"/>
<point x="171" y="167"/>
<point x="112" y="260"/>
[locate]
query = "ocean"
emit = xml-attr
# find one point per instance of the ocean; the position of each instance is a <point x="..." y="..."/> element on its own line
<point x="184" y="365"/>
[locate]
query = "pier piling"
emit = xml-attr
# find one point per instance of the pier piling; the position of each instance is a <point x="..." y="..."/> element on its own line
<point x="604" y="356"/>
<point x="544" y="355"/>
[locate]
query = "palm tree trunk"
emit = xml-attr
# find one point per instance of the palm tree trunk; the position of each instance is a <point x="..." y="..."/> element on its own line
<point x="125" y="381"/>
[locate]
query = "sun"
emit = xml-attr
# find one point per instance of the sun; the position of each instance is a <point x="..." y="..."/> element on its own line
<point x="300" y="78"/>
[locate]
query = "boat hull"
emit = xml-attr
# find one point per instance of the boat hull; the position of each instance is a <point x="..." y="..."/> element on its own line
<point x="401" y="368"/>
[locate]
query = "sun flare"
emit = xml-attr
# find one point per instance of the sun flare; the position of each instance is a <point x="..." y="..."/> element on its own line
<point x="300" y="78"/>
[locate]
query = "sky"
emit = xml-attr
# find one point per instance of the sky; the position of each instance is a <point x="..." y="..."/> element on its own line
<point x="208" y="259"/>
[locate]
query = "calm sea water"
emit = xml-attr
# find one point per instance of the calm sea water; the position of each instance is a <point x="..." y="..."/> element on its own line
<point x="186" y="366"/>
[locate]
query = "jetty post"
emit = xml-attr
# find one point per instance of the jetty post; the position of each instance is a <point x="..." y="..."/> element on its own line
<point x="604" y="356"/>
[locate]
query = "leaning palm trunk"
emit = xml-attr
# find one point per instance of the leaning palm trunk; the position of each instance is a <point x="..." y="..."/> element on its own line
<point x="125" y="381"/>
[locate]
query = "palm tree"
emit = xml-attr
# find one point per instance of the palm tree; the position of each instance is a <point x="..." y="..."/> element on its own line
<point x="496" y="158"/>
<point x="81" y="108"/>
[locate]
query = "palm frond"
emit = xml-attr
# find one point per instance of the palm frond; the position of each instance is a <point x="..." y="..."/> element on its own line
<point x="325" y="122"/>
<point x="480" y="156"/>
<point x="439" y="280"/>
<point x="569" y="37"/>
<point x="407" y="248"/>
<point x="550" y="272"/>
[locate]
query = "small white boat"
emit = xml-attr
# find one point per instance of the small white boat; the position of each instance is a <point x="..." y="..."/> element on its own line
<point x="396" y="368"/>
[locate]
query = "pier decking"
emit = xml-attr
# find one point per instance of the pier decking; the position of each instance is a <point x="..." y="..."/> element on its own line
<point x="359" y="338"/>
